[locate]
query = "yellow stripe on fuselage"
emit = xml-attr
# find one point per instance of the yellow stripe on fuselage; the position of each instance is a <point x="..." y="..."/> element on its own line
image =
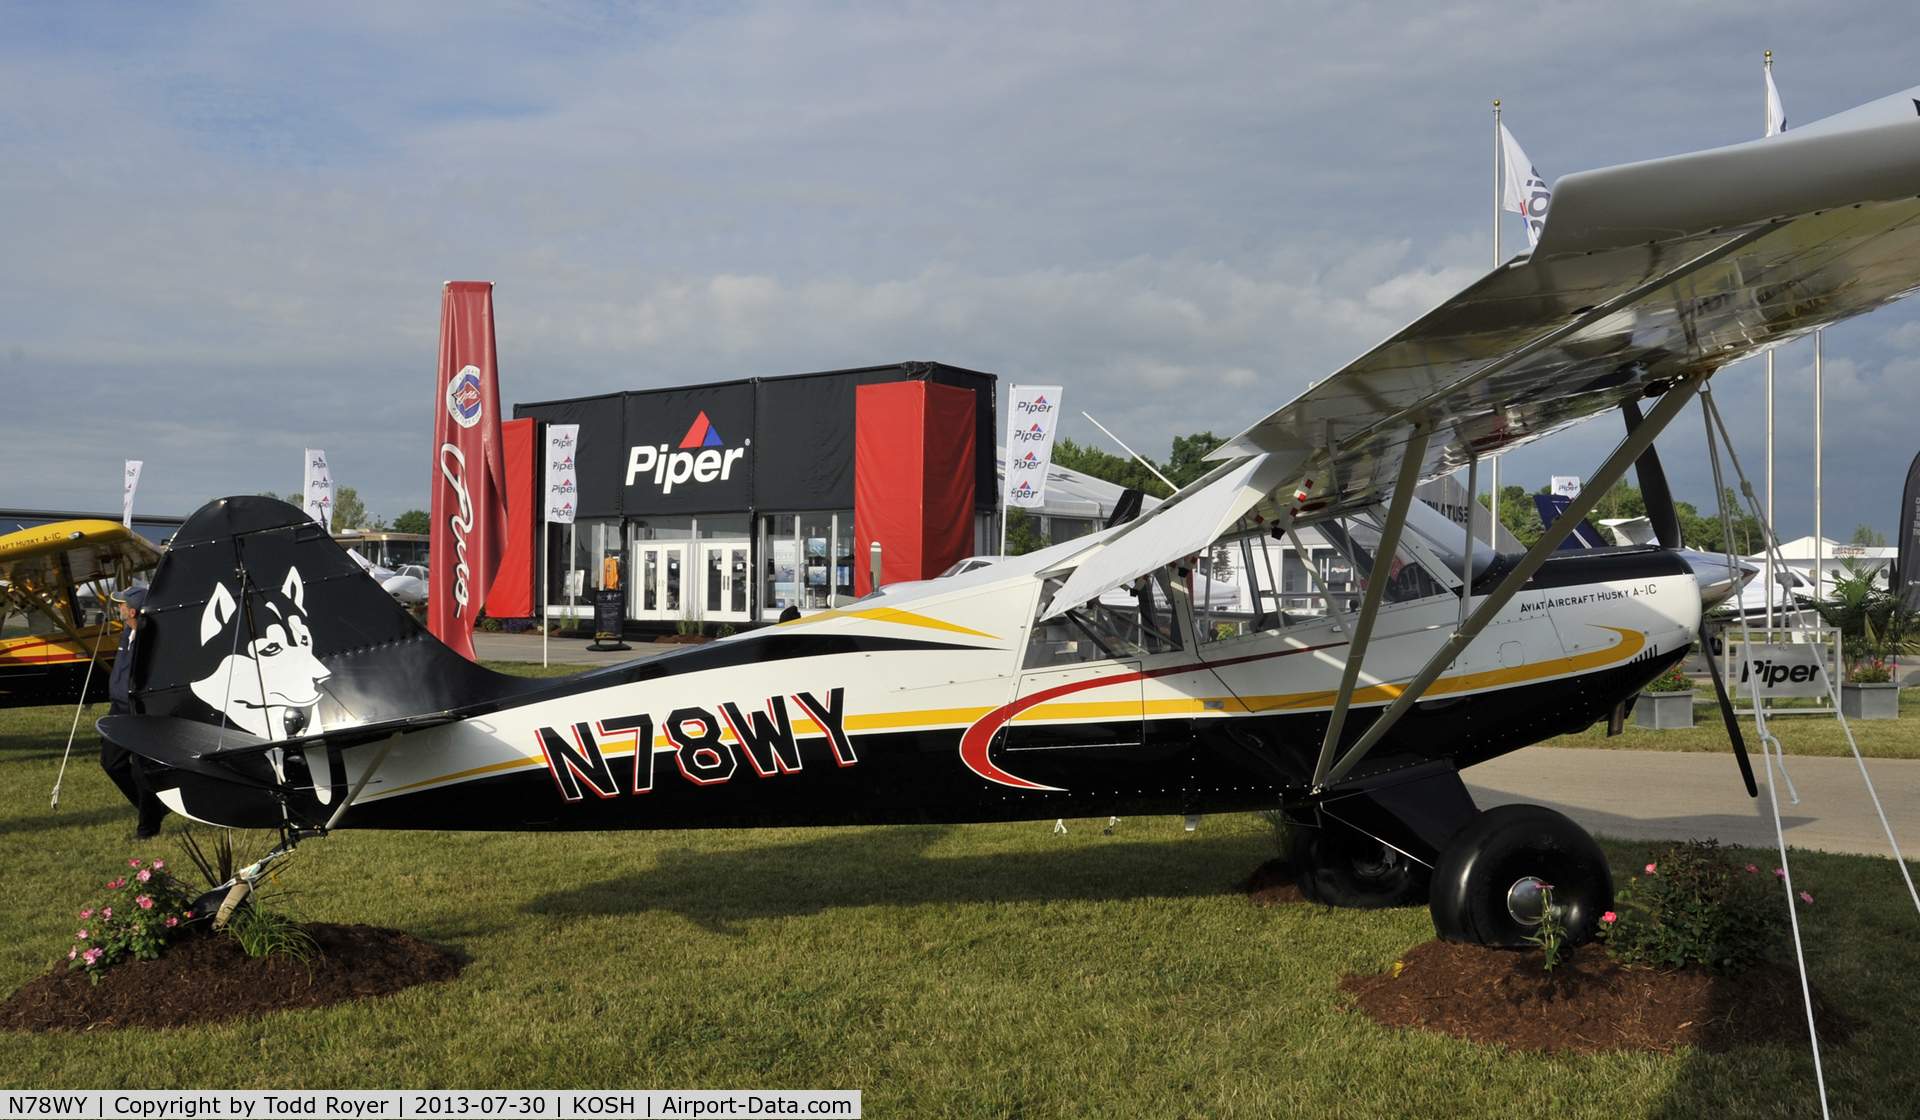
<point x="1631" y="643"/>
<point x="897" y="617"/>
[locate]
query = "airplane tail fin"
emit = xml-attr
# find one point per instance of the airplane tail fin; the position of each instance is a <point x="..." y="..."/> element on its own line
<point x="260" y="629"/>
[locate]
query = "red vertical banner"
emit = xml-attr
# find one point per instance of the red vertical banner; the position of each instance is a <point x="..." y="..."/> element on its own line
<point x="511" y="595"/>
<point x="469" y="491"/>
<point x="912" y="479"/>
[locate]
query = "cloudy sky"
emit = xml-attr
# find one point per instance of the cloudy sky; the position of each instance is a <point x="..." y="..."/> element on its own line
<point x="226" y="224"/>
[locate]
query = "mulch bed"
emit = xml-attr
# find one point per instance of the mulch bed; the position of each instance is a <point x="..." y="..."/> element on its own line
<point x="205" y="978"/>
<point x="1589" y="1004"/>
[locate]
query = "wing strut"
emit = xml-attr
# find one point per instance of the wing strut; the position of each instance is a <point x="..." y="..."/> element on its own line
<point x="1637" y="441"/>
<point x="1383" y="553"/>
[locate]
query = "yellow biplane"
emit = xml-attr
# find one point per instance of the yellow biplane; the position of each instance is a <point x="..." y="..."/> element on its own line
<point x="55" y="617"/>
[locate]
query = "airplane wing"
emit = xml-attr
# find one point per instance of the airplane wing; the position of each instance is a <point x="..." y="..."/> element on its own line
<point x="73" y="553"/>
<point x="1644" y="273"/>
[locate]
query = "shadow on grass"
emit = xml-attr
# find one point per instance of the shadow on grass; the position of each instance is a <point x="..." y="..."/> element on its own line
<point x="69" y="818"/>
<point x="891" y="867"/>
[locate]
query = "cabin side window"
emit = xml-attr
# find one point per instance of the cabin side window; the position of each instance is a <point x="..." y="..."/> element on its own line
<point x="1125" y="622"/>
<point x="1407" y="579"/>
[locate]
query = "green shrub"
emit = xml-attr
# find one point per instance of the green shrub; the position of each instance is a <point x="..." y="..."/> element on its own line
<point x="1693" y="905"/>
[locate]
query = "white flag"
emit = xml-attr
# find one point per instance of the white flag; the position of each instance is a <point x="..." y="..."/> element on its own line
<point x="1526" y="194"/>
<point x="1776" y="113"/>
<point x="563" y="488"/>
<point x="1033" y="412"/>
<point x="319" y="489"/>
<point x="126" y="499"/>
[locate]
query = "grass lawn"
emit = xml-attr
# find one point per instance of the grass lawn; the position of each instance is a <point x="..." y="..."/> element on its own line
<point x="986" y="970"/>
<point x="1798" y="734"/>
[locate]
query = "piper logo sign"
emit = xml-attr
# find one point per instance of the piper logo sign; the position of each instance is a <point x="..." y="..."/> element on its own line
<point x="704" y="457"/>
<point x="1792" y="669"/>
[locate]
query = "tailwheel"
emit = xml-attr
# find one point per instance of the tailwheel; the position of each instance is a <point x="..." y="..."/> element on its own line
<point x="1338" y="865"/>
<point x="1488" y="883"/>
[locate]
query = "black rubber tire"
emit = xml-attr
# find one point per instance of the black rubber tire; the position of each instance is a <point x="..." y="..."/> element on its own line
<point x="1499" y="848"/>
<point x="1335" y="865"/>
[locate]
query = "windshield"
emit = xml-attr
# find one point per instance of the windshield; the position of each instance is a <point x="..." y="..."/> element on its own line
<point x="1410" y="575"/>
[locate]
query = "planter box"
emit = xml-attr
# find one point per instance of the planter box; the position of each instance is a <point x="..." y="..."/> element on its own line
<point x="1663" y="710"/>
<point x="1870" y="701"/>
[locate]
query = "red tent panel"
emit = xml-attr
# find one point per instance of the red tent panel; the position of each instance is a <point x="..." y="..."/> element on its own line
<point x="512" y="593"/>
<point x="913" y="462"/>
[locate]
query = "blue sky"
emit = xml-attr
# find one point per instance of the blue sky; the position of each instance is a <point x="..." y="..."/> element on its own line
<point x="227" y="224"/>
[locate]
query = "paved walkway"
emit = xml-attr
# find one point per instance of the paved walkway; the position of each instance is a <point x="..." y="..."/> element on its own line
<point x="1658" y="795"/>
<point x="560" y="651"/>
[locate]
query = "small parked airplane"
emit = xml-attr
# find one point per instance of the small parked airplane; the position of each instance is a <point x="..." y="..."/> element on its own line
<point x="57" y="635"/>
<point x="281" y="688"/>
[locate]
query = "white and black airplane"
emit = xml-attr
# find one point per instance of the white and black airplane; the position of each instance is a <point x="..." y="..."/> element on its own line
<point x="279" y="687"/>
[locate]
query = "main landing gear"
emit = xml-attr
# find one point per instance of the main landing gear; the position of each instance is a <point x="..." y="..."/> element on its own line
<point x="1488" y="883"/>
<point x="1485" y="881"/>
<point x="1338" y="865"/>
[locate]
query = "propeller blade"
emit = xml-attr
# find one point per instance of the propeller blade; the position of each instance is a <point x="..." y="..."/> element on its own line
<point x="1733" y="725"/>
<point x="1653" y="486"/>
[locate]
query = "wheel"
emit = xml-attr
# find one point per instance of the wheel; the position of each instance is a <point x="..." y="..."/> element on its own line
<point x="1336" y="865"/>
<point x="1486" y="885"/>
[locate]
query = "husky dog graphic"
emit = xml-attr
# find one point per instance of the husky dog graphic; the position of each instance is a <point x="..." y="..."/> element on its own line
<point x="269" y="685"/>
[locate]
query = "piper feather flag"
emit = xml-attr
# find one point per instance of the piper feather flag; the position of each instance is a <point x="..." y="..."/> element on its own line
<point x="1526" y="194"/>
<point x="1776" y="113"/>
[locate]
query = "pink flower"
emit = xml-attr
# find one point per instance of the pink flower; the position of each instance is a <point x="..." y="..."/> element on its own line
<point x="1806" y="898"/>
<point x="116" y="884"/>
<point x="171" y="922"/>
<point x="1780" y="871"/>
<point x="144" y="875"/>
<point x="72" y="953"/>
<point x="158" y="864"/>
<point x="1752" y="870"/>
<point x="82" y="935"/>
<point x="85" y="914"/>
<point x="1650" y="867"/>
<point x="145" y="902"/>
<point x="91" y="955"/>
<point x="1609" y="916"/>
<point x="106" y="912"/>
<point x="133" y="863"/>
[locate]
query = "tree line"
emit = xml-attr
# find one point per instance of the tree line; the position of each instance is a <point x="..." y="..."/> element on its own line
<point x="349" y="512"/>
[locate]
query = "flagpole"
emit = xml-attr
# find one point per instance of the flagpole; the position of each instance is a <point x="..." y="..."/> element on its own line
<point x="1819" y="492"/>
<point x="1006" y="473"/>
<point x="1766" y="116"/>
<point x="1499" y="196"/>
<point x="1493" y="461"/>
<point x="1772" y="577"/>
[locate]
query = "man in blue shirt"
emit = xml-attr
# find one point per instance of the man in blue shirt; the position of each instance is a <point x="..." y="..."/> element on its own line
<point x="118" y="763"/>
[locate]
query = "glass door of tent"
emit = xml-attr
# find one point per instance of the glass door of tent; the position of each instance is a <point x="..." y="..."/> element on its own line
<point x="726" y="578"/>
<point x="660" y="580"/>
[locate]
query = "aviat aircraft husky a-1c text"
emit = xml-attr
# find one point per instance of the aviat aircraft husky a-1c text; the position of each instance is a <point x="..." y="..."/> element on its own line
<point x="280" y="688"/>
